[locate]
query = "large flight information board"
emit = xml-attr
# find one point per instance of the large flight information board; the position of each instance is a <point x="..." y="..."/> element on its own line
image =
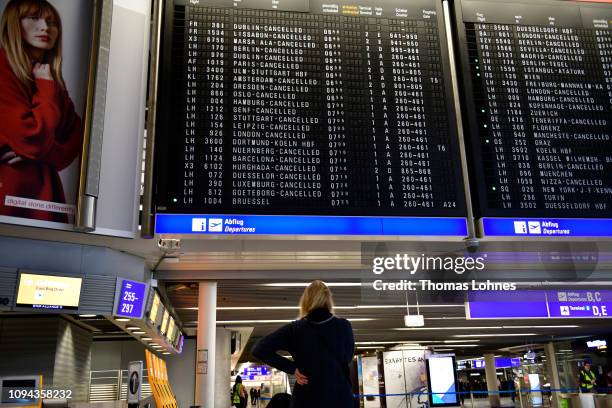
<point x="538" y="82"/>
<point x="294" y="107"/>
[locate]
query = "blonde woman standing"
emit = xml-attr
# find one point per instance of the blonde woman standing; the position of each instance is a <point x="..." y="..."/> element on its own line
<point x="322" y="346"/>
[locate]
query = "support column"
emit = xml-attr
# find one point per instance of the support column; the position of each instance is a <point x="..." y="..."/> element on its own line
<point x="223" y="368"/>
<point x="553" y="373"/>
<point x="206" y="345"/>
<point x="490" y="372"/>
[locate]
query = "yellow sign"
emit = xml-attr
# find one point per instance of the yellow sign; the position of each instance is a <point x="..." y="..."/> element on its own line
<point x="48" y="292"/>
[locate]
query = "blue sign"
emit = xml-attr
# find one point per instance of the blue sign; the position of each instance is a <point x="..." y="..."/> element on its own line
<point x="528" y="304"/>
<point x="533" y="304"/>
<point x="251" y="372"/>
<point x="580" y="303"/>
<point x="500" y="362"/>
<point x="546" y="227"/>
<point x="131" y="300"/>
<point x="307" y="225"/>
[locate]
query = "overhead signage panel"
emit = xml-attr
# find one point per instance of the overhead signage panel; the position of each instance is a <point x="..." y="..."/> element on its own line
<point x="539" y="107"/>
<point x="307" y="225"/>
<point x="130" y="299"/>
<point x="307" y="108"/>
<point x="536" y="304"/>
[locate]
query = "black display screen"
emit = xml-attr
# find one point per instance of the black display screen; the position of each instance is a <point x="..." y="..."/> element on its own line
<point x="538" y="93"/>
<point x="16" y="391"/>
<point x="305" y="108"/>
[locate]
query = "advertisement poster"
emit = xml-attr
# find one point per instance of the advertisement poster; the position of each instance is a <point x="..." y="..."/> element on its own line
<point x="44" y="59"/>
<point x="406" y="377"/>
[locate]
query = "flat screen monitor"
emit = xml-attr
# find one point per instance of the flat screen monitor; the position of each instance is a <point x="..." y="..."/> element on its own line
<point x="48" y="292"/>
<point x="165" y="320"/>
<point x="317" y="134"/>
<point x="19" y="391"/>
<point x="180" y="343"/>
<point x="154" y="312"/>
<point x="442" y="381"/>
<point x="171" y="329"/>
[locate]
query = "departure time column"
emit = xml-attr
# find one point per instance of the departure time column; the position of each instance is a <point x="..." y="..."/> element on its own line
<point x="334" y="110"/>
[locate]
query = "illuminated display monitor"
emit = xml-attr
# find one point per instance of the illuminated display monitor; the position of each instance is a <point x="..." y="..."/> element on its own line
<point x="180" y="343"/>
<point x="318" y="144"/>
<point x="48" y="292"/>
<point x="19" y="391"/>
<point x="154" y="312"/>
<point x="538" y="115"/>
<point x="442" y="381"/>
<point x="165" y="320"/>
<point x="171" y="329"/>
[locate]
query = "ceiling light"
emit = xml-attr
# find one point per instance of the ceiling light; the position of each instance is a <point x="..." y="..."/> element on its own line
<point x="461" y="345"/>
<point x="567" y="326"/>
<point x="303" y="285"/>
<point x="87" y="315"/>
<point x="122" y="319"/>
<point x="155" y="346"/>
<point x="251" y="308"/>
<point x="275" y="321"/>
<point x="356" y="307"/>
<point x="487" y="327"/>
<point x="495" y="335"/>
<point x="165" y="352"/>
<point x="133" y="328"/>
<point x="138" y="332"/>
<point x="450" y="328"/>
<point x="146" y="338"/>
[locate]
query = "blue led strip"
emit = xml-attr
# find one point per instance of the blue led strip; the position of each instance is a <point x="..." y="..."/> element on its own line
<point x="307" y="225"/>
<point x="546" y="227"/>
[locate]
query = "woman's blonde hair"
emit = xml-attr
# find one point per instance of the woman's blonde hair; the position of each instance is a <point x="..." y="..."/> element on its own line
<point x="11" y="39"/>
<point x="316" y="295"/>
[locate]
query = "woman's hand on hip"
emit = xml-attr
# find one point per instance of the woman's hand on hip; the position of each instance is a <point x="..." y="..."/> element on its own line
<point x="42" y="71"/>
<point x="300" y="378"/>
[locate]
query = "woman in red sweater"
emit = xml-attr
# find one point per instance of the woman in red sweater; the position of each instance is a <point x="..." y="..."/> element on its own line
<point x="40" y="133"/>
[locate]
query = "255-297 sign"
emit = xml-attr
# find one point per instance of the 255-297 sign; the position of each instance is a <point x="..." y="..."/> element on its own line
<point x="130" y="299"/>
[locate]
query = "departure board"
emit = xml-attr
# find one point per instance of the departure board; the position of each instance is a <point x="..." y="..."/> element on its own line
<point x="295" y="107"/>
<point x="538" y="81"/>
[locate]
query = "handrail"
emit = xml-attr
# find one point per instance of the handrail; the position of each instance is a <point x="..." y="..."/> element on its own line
<point x="113" y="387"/>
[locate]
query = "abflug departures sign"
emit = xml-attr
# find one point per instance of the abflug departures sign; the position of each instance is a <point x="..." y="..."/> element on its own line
<point x="539" y="100"/>
<point x="306" y="108"/>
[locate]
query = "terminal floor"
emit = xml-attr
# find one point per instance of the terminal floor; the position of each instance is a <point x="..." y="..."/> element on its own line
<point x="477" y="403"/>
<point x="484" y="403"/>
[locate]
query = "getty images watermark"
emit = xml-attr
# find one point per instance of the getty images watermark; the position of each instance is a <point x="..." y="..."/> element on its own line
<point x="412" y="265"/>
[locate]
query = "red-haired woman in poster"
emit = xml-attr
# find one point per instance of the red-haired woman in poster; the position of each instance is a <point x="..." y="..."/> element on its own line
<point x="40" y="133"/>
